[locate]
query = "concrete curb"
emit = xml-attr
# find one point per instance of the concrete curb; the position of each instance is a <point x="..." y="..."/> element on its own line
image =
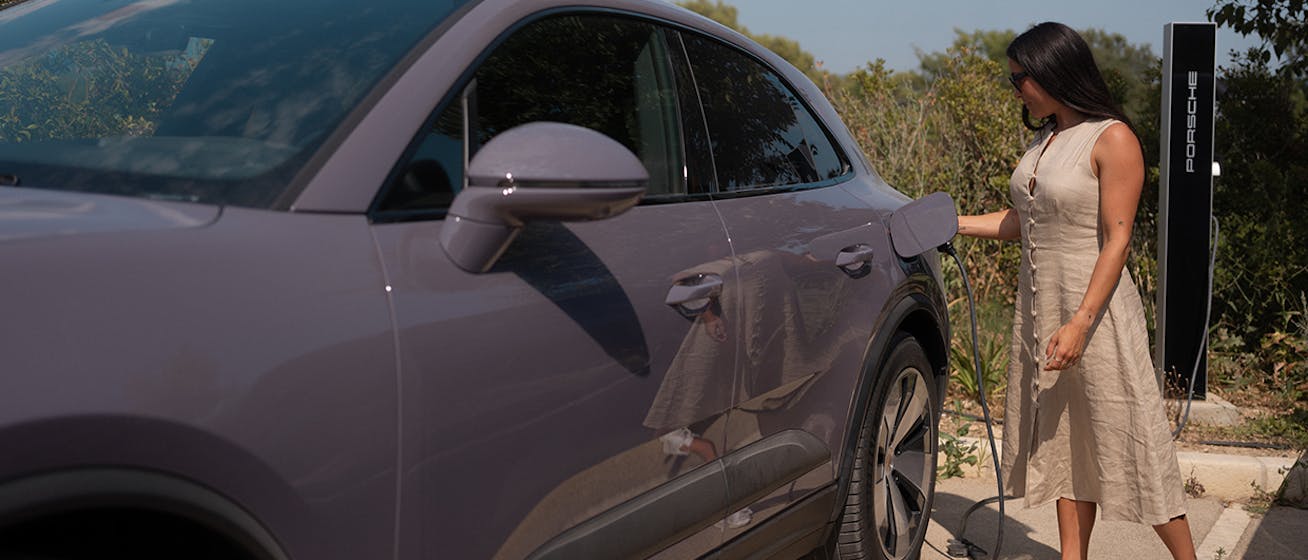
<point x="1228" y="477"/>
<point x="1221" y="540"/>
<point x="1214" y="411"/>
<point x="1232" y="477"/>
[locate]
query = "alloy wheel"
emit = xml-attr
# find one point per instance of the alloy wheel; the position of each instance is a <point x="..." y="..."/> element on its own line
<point x="903" y="464"/>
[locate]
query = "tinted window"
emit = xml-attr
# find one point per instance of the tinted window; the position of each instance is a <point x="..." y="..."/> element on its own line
<point x="761" y="134"/>
<point x="699" y="163"/>
<point x="604" y="73"/>
<point x="209" y="100"/>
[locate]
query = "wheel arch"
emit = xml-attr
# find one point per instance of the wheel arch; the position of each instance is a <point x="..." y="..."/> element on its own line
<point x="96" y="463"/>
<point x="918" y="310"/>
<point x="48" y="496"/>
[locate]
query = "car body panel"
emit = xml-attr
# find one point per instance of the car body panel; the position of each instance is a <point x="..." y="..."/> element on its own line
<point x="579" y="368"/>
<point x="31" y="213"/>
<point x="252" y="355"/>
<point x="803" y="320"/>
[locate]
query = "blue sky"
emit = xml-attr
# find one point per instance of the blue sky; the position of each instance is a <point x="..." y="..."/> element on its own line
<point x="845" y="34"/>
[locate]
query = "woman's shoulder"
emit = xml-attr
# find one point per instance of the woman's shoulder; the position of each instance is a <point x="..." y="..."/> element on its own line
<point x="1112" y="133"/>
<point x="1103" y="124"/>
<point x="1115" y="141"/>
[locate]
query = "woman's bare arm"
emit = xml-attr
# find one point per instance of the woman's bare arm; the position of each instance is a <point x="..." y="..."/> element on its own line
<point x="995" y="225"/>
<point x="1120" y="167"/>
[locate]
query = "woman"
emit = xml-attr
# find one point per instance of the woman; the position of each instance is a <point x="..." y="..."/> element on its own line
<point x="1085" y="421"/>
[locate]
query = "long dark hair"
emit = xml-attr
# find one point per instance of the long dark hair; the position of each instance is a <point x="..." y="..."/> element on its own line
<point x="1056" y="57"/>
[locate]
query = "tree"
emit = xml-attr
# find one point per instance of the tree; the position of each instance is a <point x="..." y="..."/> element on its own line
<point x="1261" y="198"/>
<point x="788" y="49"/>
<point x="1126" y="67"/>
<point x="1282" y="25"/>
<point x="988" y="43"/>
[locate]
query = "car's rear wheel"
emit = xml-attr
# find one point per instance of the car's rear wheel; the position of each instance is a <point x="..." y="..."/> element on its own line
<point x="894" y="473"/>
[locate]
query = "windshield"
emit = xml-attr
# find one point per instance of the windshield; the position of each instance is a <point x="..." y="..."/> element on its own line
<point x="217" y="101"/>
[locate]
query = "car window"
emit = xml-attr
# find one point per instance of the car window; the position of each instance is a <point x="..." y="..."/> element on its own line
<point x="195" y="100"/>
<point x="608" y="74"/>
<point x="761" y="134"/>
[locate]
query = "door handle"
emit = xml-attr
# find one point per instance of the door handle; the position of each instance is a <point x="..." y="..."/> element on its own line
<point x="853" y="258"/>
<point x="694" y="294"/>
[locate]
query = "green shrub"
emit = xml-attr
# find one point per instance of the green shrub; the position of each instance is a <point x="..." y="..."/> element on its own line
<point x="961" y="134"/>
<point x="954" y="454"/>
<point x="957" y="129"/>
<point x="994" y="325"/>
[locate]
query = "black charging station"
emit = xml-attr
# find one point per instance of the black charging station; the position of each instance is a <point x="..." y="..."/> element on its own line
<point x="1185" y="203"/>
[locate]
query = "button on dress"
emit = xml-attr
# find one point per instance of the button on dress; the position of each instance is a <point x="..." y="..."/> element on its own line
<point x="1096" y="431"/>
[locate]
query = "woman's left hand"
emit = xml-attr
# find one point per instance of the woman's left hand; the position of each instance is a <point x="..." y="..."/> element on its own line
<point x="1067" y="344"/>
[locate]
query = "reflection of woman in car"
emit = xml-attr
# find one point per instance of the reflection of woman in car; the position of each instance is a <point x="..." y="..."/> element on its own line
<point x="758" y="308"/>
<point x="762" y="300"/>
<point x="692" y="390"/>
<point x="1086" y="426"/>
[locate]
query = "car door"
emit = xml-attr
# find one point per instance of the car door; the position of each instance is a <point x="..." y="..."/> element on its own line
<point x="570" y="401"/>
<point x="803" y="273"/>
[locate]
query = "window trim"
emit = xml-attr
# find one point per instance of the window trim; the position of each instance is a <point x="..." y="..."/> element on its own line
<point x="681" y="63"/>
<point x="460" y="85"/>
<point x="782" y="189"/>
<point x="720" y="194"/>
<point x="466" y="77"/>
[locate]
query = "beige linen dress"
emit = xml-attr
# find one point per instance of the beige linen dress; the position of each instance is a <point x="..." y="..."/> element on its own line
<point x="1096" y="431"/>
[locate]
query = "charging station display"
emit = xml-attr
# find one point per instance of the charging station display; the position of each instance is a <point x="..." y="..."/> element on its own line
<point x="1185" y="202"/>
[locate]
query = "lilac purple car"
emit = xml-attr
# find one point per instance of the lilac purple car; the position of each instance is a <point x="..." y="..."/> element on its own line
<point x="446" y="279"/>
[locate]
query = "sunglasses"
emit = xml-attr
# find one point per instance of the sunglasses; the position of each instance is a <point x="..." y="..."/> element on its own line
<point x="1016" y="79"/>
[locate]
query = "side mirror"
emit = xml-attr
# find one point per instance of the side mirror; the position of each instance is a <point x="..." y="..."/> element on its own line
<point x="538" y="171"/>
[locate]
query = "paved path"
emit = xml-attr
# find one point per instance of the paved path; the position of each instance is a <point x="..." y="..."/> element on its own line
<point x="1222" y="529"/>
<point x="1281" y="534"/>
<point x="1033" y="533"/>
<point x="1221" y="532"/>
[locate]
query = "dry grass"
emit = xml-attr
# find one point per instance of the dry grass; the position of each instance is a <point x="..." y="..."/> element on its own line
<point x="1267" y="421"/>
<point x="1271" y="425"/>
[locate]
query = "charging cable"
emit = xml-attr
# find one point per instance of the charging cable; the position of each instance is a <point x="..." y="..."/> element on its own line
<point x="960" y="547"/>
<point x="1203" y="339"/>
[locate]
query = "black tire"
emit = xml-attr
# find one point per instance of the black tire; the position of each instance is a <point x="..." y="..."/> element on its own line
<point x="893" y="478"/>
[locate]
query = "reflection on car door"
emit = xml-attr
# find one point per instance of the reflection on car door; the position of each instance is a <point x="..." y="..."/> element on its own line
<point x="802" y="277"/>
<point x="590" y="365"/>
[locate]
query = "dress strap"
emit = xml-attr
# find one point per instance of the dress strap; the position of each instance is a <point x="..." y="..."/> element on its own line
<point x="1087" y="140"/>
